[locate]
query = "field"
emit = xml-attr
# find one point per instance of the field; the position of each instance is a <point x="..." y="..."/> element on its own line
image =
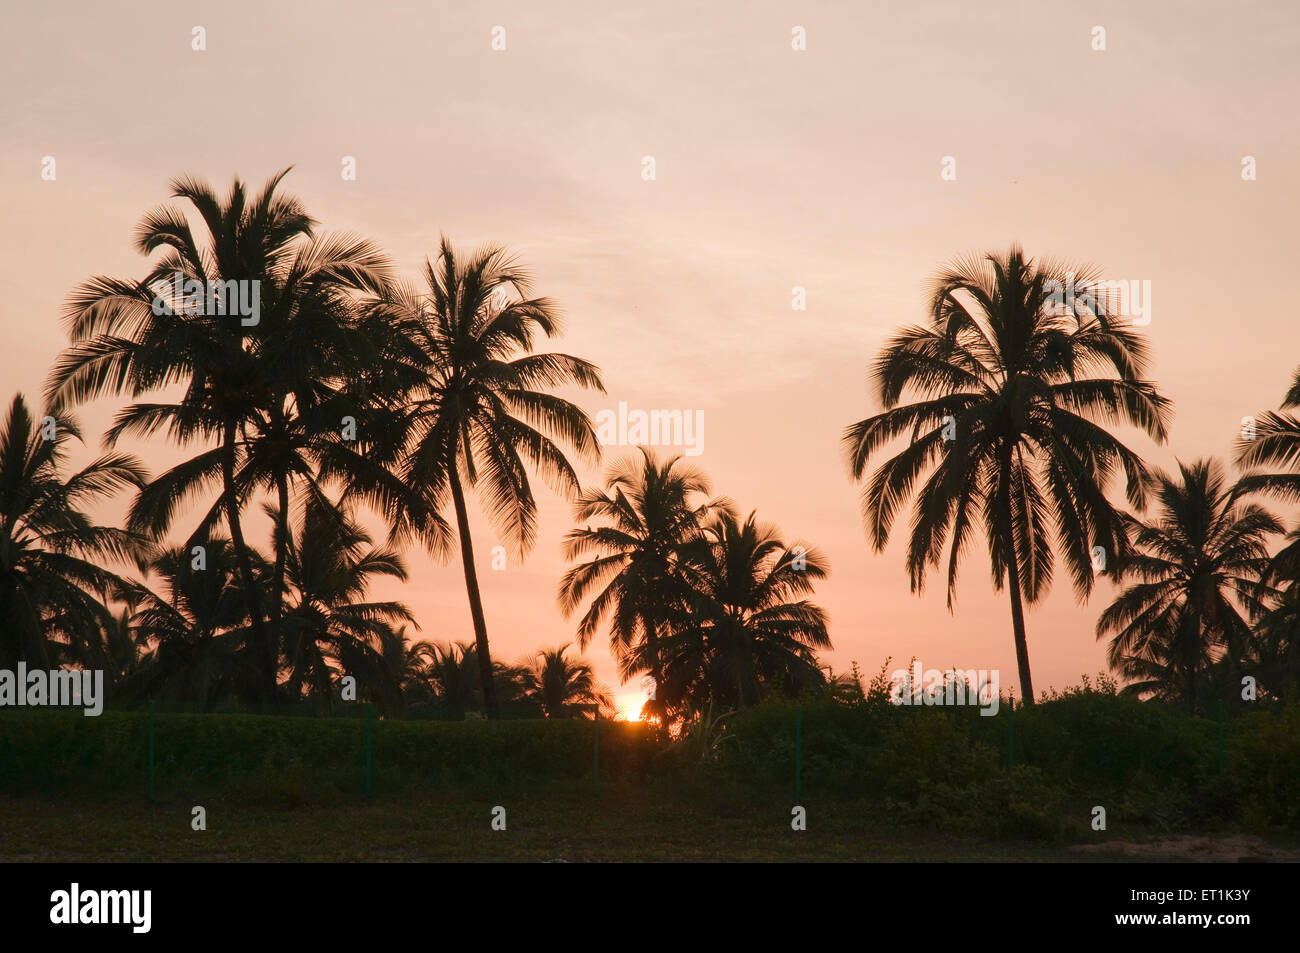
<point x="877" y="784"/>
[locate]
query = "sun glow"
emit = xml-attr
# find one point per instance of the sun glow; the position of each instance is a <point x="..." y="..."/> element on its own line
<point x="629" y="705"/>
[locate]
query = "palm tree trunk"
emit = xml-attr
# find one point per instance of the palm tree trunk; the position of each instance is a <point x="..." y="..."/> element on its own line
<point x="1018" y="626"/>
<point x="245" y="563"/>
<point x="1013" y="583"/>
<point x="475" y="600"/>
<point x="281" y="552"/>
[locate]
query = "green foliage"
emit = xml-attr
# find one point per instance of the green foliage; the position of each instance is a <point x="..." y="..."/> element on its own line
<point x="299" y="760"/>
<point x="1152" y="766"/>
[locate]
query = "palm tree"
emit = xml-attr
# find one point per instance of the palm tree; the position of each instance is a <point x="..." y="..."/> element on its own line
<point x="1195" y="574"/>
<point x="563" y="688"/>
<point x="745" y="630"/>
<point x="1015" y="379"/>
<point x="195" y="622"/>
<point x="121" y="342"/>
<point x="1279" y="627"/>
<point x="266" y="388"/>
<point x="1275" y="443"/>
<point x="650" y="511"/>
<point x="53" y="580"/>
<point x="330" y="626"/>
<point x="484" y="408"/>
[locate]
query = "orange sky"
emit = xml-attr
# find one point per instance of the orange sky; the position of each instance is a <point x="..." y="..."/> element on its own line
<point x="775" y="168"/>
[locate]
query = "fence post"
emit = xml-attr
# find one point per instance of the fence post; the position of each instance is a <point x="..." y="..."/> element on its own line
<point x="1219" y="708"/>
<point x="595" y="753"/>
<point x="1011" y="734"/>
<point x="798" y="751"/>
<point x="151" y="757"/>
<point x="370" y="749"/>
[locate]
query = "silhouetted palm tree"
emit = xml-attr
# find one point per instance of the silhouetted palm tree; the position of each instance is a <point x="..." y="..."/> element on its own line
<point x="265" y="387"/>
<point x="1195" y="573"/>
<point x="746" y="630"/>
<point x="650" y="510"/>
<point x="1275" y="443"/>
<point x="330" y="627"/>
<point x="195" y="621"/>
<point x="1015" y="377"/>
<point x="562" y="687"/>
<point x="484" y="410"/>
<point x="1279" y="627"/>
<point x="53" y="579"/>
<point x="122" y="342"/>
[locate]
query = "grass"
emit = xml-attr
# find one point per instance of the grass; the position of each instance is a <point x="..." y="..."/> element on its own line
<point x="625" y="823"/>
<point x="879" y="783"/>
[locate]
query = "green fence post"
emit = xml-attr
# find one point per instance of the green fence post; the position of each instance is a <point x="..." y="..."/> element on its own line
<point x="1220" y="716"/>
<point x="370" y="749"/>
<point x="595" y="754"/>
<point x="1011" y="735"/>
<point x="151" y="746"/>
<point x="798" y="751"/>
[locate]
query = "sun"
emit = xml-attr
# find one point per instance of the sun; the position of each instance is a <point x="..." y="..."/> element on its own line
<point x="629" y="704"/>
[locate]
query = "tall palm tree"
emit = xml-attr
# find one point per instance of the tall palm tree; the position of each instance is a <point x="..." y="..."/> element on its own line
<point x="54" y="584"/>
<point x="1017" y="371"/>
<point x="331" y="627"/>
<point x="1195" y="584"/>
<point x="563" y="687"/>
<point x="746" y="629"/>
<point x="122" y="342"/>
<point x="648" y="512"/>
<point x="484" y="408"/>
<point x="238" y="377"/>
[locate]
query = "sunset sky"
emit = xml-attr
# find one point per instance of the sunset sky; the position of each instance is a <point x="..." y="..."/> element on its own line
<point x="775" y="168"/>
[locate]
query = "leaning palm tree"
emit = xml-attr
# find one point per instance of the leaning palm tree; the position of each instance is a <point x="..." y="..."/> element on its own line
<point x="1194" y="584"/>
<point x="1017" y="371"/>
<point x="648" y="512"/>
<point x="746" y="630"/>
<point x="54" y="584"/>
<point x="484" y="409"/>
<point x="563" y="687"/>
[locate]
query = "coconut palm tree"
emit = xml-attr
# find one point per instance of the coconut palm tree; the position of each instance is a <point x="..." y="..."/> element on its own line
<point x="648" y="511"/>
<point x="1270" y="452"/>
<point x="54" y="583"/>
<point x="139" y="337"/>
<point x="262" y="386"/>
<point x="1273" y="441"/>
<point x="562" y="687"/>
<point x="1017" y="375"/>
<point x="331" y="628"/>
<point x="483" y="412"/>
<point x="1194" y="580"/>
<point x="746" y="629"/>
<point x="194" y="620"/>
